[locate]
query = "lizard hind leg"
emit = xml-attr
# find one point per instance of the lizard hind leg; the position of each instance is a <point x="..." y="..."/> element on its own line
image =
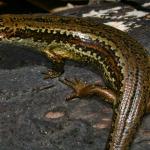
<point x="82" y="89"/>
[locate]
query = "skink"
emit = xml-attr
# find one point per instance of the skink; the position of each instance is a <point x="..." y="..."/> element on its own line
<point x="124" y="62"/>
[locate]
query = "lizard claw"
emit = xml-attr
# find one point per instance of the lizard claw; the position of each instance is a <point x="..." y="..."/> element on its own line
<point x="80" y="88"/>
<point x="51" y="74"/>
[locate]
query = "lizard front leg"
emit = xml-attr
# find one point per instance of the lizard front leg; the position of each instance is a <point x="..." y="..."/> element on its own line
<point x="57" y="64"/>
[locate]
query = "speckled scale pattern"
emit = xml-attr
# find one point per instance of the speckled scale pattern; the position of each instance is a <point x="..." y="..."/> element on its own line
<point x="124" y="62"/>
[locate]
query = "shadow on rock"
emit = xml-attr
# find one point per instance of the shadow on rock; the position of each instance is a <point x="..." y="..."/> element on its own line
<point x="12" y="56"/>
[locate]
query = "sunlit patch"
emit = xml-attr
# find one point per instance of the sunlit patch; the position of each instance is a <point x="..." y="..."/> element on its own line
<point x="2" y="35"/>
<point x="54" y="115"/>
<point x="103" y="124"/>
<point x="82" y="36"/>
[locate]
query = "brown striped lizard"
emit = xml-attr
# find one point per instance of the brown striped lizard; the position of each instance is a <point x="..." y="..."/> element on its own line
<point x="125" y="64"/>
